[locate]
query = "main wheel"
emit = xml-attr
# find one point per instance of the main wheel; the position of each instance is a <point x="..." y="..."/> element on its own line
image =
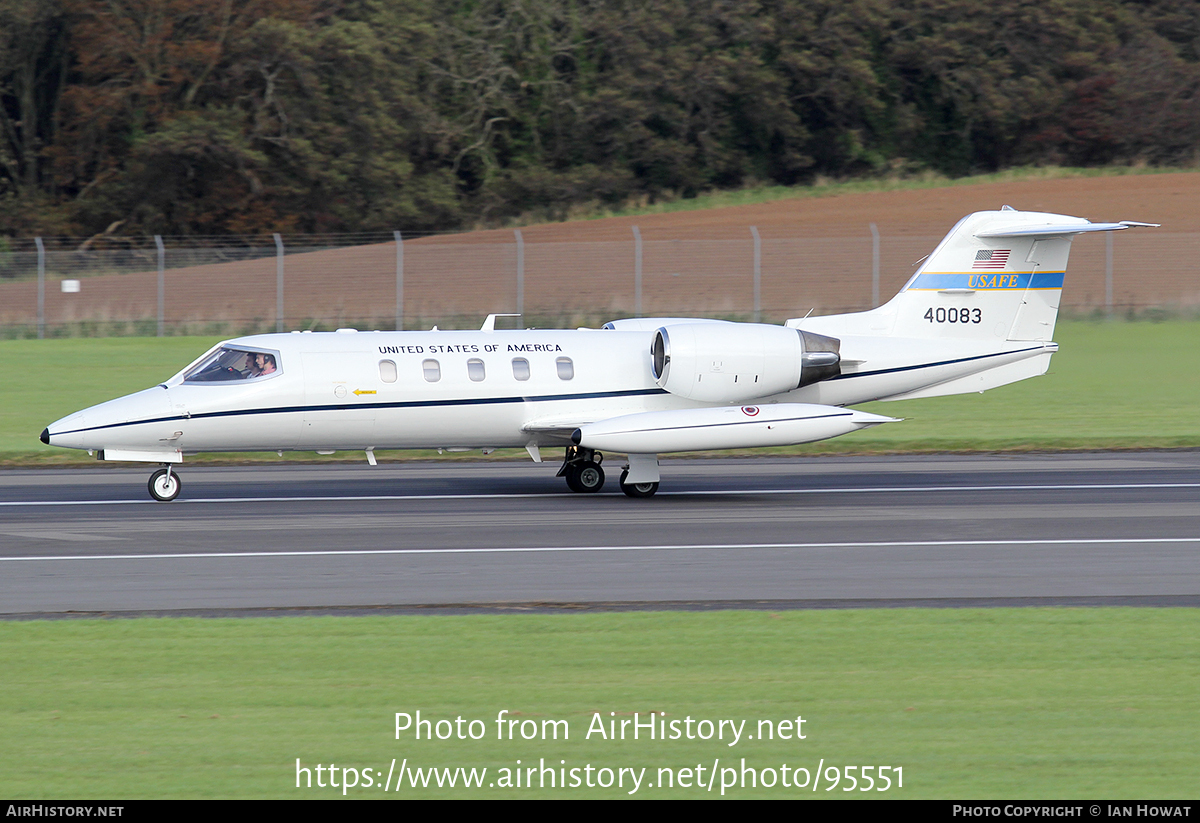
<point x="164" y="486"/>
<point x="637" y="489"/>
<point x="585" y="477"/>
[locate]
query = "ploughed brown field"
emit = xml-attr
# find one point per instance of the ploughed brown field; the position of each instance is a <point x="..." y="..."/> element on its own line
<point x="816" y="254"/>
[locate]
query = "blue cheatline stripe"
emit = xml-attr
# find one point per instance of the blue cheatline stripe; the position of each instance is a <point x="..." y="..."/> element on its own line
<point x="411" y="404"/>
<point x="988" y="280"/>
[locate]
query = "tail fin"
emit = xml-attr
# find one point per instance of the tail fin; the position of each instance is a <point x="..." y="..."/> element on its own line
<point x="998" y="275"/>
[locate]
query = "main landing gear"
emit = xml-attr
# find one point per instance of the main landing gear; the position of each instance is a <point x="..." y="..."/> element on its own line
<point x="581" y="468"/>
<point x="164" y="485"/>
<point x="637" y="489"/>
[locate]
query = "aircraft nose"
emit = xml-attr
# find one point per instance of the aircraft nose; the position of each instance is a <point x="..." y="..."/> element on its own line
<point x="104" y="426"/>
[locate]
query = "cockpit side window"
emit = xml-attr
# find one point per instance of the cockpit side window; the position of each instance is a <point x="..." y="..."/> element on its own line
<point x="228" y="364"/>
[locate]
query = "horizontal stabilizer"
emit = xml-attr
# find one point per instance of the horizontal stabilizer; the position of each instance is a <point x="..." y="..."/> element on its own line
<point x="1062" y="229"/>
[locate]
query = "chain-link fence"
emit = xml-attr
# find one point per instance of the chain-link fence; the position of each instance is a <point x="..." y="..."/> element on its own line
<point x="64" y="286"/>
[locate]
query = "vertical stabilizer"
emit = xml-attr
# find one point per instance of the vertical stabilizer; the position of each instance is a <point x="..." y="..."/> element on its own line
<point x="998" y="275"/>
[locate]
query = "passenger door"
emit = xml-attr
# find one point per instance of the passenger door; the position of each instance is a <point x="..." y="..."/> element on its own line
<point x="341" y="389"/>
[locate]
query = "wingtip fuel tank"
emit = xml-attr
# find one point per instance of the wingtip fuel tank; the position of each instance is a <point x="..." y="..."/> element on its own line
<point x="726" y="427"/>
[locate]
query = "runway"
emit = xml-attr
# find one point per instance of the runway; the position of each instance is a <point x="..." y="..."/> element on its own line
<point x="769" y="532"/>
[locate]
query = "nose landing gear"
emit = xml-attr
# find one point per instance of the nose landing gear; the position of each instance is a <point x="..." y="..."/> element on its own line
<point x="581" y="468"/>
<point x="164" y="485"/>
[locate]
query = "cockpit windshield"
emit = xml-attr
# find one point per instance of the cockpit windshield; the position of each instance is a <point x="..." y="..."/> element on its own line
<point x="228" y="363"/>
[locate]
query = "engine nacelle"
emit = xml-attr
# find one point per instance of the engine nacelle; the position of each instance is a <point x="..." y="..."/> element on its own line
<point x="736" y="362"/>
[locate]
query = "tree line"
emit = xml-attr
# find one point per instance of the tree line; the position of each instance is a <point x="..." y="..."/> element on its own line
<point x="216" y="117"/>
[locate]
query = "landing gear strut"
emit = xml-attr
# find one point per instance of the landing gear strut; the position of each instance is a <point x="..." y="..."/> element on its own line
<point x="164" y="485"/>
<point x="581" y="468"/>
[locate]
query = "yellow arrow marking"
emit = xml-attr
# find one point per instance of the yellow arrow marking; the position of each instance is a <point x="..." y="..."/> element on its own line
<point x="365" y="391"/>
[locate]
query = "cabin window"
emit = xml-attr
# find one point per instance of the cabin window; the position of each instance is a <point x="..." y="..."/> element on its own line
<point x="387" y="371"/>
<point x="566" y="369"/>
<point x="475" y="369"/>
<point x="229" y="364"/>
<point x="520" y="368"/>
<point x="432" y="370"/>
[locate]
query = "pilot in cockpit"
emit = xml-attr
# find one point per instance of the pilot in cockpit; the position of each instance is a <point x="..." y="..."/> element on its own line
<point x="259" y="365"/>
<point x="253" y="369"/>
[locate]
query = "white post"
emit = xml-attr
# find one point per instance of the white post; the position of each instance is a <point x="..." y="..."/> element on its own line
<point x="41" y="287"/>
<point x="158" y="243"/>
<point x="874" y="265"/>
<point x="520" y="272"/>
<point x="278" y="283"/>
<point x="757" y="275"/>
<point x="637" y="272"/>
<point x="399" y="281"/>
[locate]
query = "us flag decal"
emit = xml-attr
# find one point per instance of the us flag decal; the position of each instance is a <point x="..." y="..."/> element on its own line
<point x="991" y="259"/>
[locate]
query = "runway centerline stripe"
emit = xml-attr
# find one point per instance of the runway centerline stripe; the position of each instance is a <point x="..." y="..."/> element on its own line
<point x="646" y="548"/>
<point x="561" y="496"/>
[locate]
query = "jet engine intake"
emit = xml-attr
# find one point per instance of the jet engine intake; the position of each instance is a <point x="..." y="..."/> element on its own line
<point x="719" y="363"/>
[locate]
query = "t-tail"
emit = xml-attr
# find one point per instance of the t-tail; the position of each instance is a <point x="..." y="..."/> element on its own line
<point x="997" y="276"/>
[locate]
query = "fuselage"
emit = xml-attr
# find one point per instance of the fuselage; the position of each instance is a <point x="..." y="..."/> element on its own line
<point x="461" y="389"/>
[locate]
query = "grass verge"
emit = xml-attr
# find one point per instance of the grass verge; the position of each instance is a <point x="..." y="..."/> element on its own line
<point x="1030" y="703"/>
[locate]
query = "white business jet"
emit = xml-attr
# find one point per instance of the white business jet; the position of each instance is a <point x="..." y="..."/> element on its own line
<point x="978" y="314"/>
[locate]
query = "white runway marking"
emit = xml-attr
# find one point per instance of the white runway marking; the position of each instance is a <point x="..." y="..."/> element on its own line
<point x="74" y="537"/>
<point x="647" y="548"/>
<point x="564" y="496"/>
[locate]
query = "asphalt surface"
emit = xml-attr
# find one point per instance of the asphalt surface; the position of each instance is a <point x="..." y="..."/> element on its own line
<point x="767" y="533"/>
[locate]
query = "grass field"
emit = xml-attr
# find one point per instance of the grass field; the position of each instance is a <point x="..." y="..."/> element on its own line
<point x="1009" y="703"/>
<point x="1114" y="385"/>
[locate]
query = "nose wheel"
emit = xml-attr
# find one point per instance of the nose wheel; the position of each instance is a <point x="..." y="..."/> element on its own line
<point x="164" y="485"/>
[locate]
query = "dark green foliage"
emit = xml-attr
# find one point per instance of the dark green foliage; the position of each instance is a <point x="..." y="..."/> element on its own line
<point x="251" y="116"/>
